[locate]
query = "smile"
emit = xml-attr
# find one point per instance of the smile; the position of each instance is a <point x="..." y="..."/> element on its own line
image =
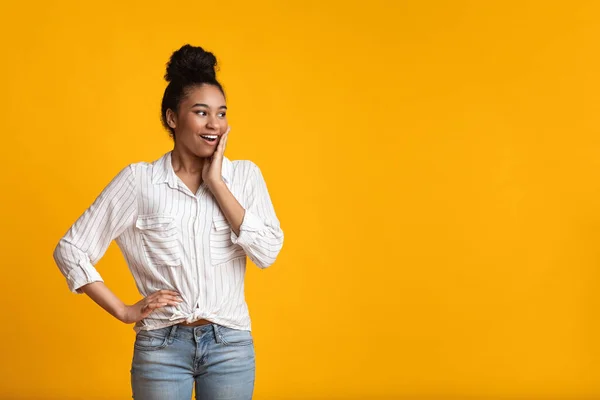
<point x="210" y="138"/>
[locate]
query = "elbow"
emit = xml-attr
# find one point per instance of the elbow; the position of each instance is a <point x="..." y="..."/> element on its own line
<point x="57" y="254"/>
<point x="61" y="255"/>
<point x="265" y="261"/>
<point x="263" y="264"/>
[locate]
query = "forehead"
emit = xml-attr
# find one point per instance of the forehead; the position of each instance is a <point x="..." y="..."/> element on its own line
<point x="204" y="94"/>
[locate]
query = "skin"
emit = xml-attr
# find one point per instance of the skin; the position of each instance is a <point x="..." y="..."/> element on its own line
<point x="196" y="163"/>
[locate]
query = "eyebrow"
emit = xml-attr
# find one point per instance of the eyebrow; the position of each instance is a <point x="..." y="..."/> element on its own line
<point x="207" y="106"/>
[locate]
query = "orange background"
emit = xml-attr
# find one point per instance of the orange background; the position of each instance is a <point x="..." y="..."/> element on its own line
<point x="434" y="164"/>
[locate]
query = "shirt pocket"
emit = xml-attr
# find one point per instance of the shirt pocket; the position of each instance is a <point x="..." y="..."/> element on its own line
<point x="222" y="249"/>
<point x="160" y="239"/>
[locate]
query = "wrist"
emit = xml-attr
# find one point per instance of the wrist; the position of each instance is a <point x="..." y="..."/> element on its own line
<point x="121" y="312"/>
<point x="213" y="186"/>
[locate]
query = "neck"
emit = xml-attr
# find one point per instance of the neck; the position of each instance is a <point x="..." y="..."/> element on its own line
<point x="186" y="162"/>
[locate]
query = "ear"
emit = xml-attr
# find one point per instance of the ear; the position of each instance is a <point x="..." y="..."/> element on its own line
<point x="171" y="118"/>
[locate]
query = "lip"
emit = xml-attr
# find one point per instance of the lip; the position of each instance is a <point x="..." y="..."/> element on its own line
<point x="213" y="143"/>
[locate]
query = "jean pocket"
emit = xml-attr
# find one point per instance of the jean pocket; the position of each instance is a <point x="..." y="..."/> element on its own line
<point x="155" y="339"/>
<point x="222" y="249"/>
<point x="234" y="337"/>
<point x="160" y="239"/>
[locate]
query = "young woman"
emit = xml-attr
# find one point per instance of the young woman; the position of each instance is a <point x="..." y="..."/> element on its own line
<point x="185" y="224"/>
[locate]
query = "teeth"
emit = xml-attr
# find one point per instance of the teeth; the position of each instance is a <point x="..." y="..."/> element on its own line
<point x="209" y="136"/>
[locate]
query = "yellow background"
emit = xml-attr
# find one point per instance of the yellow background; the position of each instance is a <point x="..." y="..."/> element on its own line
<point x="434" y="164"/>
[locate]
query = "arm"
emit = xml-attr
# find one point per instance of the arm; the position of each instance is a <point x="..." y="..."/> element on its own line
<point x="106" y="299"/>
<point x="256" y="227"/>
<point x="113" y="211"/>
<point x="88" y="238"/>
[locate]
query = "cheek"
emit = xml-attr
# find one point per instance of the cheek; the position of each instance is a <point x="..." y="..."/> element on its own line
<point x="191" y="124"/>
<point x="187" y="127"/>
<point x="194" y="121"/>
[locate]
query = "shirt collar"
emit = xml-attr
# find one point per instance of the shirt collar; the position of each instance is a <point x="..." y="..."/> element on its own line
<point x="162" y="171"/>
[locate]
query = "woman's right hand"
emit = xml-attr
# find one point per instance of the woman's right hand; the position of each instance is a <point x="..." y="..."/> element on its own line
<point x="144" y="307"/>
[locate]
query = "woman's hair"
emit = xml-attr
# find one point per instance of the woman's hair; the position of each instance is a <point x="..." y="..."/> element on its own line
<point x="188" y="67"/>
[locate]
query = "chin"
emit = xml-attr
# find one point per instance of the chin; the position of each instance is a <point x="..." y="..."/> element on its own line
<point x="204" y="152"/>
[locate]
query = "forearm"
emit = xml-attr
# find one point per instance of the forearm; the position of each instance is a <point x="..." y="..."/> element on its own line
<point x="105" y="298"/>
<point x="254" y="226"/>
<point x="232" y="209"/>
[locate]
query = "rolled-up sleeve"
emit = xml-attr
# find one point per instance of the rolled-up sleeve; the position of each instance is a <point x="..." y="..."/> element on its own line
<point x="86" y="241"/>
<point x="260" y="236"/>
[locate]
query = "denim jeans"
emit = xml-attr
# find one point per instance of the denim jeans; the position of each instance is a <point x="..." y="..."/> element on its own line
<point x="168" y="361"/>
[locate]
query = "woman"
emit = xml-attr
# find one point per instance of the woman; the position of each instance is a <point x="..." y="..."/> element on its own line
<point x="185" y="224"/>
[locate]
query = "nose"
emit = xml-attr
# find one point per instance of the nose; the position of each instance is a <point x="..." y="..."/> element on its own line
<point x="211" y="123"/>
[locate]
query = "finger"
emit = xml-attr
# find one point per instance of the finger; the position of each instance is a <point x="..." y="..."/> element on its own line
<point x="219" y="146"/>
<point x="162" y="298"/>
<point x="152" y="296"/>
<point x="221" y="149"/>
<point x="167" y="291"/>
<point x="223" y="140"/>
<point x="168" y="298"/>
<point x="171" y="294"/>
<point x="163" y="292"/>
<point x="163" y="303"/>
<point x="174" y="299"/>
<point x="226" y="138"/>
<point x="154" y="306"/>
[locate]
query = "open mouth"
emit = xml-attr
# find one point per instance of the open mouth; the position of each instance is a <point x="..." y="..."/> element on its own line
<point x="209" y="138"/>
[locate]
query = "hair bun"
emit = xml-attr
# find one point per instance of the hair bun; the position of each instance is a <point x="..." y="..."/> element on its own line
<point x="190" y="63"/>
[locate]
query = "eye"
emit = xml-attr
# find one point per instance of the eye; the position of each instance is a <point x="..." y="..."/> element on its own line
<point x="222" y="114"/>
<point x="203" y="113"/>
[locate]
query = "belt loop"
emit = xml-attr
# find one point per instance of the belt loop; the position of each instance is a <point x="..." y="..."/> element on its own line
<point x="216" y="333"/>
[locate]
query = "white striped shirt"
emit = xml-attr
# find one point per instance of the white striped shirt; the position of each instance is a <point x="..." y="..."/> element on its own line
<point x="174" y="239"/>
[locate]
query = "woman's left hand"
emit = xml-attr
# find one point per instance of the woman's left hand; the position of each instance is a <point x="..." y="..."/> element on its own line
<point x="211" y="170"/>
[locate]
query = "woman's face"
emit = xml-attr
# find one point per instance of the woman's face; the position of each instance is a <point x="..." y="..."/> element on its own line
<point x="200" y="121"/>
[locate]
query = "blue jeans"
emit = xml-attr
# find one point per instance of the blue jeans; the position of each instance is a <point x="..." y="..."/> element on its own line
<point x="168" y="361"/>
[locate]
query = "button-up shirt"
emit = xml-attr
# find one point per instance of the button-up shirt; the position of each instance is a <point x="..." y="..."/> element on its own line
<point x="174" y="239"/>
